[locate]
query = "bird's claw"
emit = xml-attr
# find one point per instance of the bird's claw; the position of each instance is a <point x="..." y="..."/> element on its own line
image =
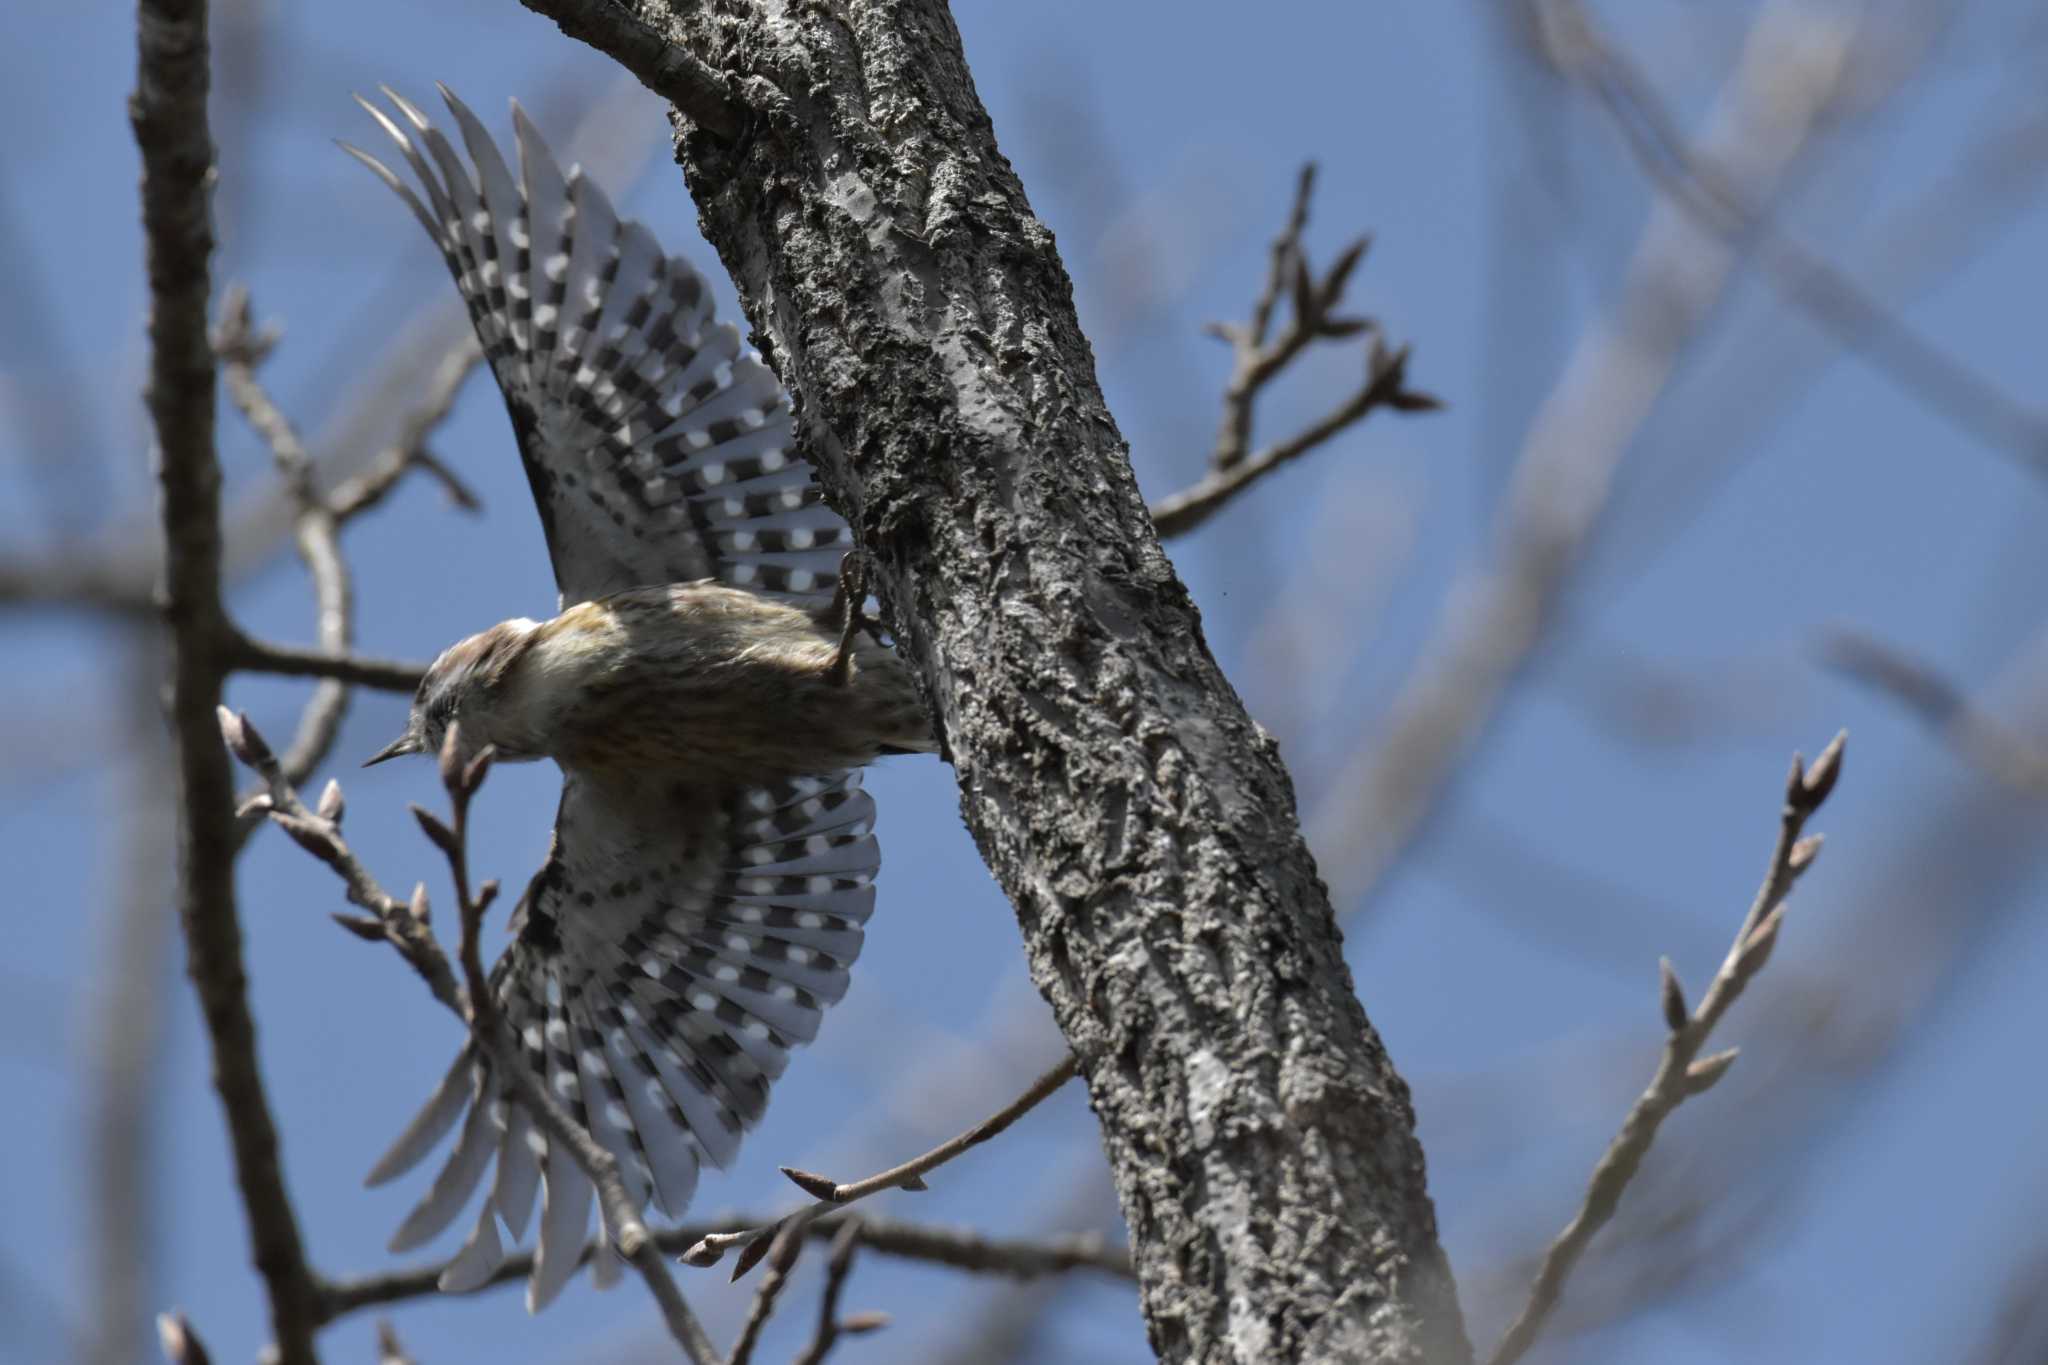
<point x="848" y="600"/>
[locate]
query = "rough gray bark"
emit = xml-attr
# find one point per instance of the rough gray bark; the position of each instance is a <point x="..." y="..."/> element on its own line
<point x="1262" y="1144"/>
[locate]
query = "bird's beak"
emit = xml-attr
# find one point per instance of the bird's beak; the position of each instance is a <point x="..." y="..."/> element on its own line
<point x="407" y="743"/>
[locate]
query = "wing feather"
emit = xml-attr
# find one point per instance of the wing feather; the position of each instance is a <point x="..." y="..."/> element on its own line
<point x="675" y="948"/>
<point x="643" y="423"/>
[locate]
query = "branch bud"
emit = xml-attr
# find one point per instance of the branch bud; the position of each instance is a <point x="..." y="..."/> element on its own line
<point x="181" y="1344"/>
<point x="1675" y="1013"/>
<point x="443" y="837"/>
<point x="857" y="1324"/>
<point x="315" y="839"/>
<point x="751" y="1254"/>
<point x="1820" y="779"/>
<point x="362" y="926"/>
<point x="812" y="1184"/>
<point x="1757" y="950"/>
<point x="332" y="805"/>
<point x="1707" y="1072"/>
<point x="701" y="1253"/>
<point x="479" y="767"/>
<point x="242" y="739"/>
<point x="451" y="758"/>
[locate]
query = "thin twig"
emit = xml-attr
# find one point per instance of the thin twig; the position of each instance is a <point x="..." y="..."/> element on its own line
<point x="403" y="924"/>
<point x="242" y="348"/>
<point x="168" y="112"/>
<point x="2017" y="761"/>
<point x="1683" y="1073"/>
<point x="386" y="675"/>
<point x="833" y="1194"/>
<point x="830" y="1324"/>
<point x="956" y="1248"/>
<point x="1256" y="362"/>
<point x="358" y="495"/>
<point x="781" y="1260"/>
<point x="1385" y="386"/>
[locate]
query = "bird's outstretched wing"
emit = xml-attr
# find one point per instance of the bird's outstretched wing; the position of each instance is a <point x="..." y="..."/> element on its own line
<point x="660" y="448"/>
<point x="679" y="940"/>
<point x="668" y="956"/>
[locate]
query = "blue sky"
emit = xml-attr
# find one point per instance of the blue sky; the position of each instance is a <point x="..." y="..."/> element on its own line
<point x="1878" y="1144"/>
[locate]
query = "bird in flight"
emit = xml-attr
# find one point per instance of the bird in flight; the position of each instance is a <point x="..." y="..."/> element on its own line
<point x="714" y="858"/>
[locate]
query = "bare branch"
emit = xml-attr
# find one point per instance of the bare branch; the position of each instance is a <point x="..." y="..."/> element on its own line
<point x="958" y="1249"/>
<point x="2012" y="759"/>
<point x="908" y="1176"/>
<point x="401" y="923"/>
<point x="781" y="1260"/>
<point x="409" y="451"/>
<point x="1385" y="386"/>
<point x="1683" y="1073"/>
<point x="168" y="111"/>
<point x="242" y="347"/>
<point x="829" y="1324"/>
<point x="663" y="67"/>
<point x="1233" y="466"/>
<point x="386" y="675"/>
<point x="405" y="926"/>
<point x="1560" y="489"/>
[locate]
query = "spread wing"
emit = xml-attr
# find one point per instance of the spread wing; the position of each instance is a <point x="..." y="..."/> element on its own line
<point x="659" y="448"/>
<point x="668" y="956"/>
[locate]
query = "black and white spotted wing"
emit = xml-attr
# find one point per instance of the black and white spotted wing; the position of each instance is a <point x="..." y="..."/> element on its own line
<point x="660" y="448"/>
<point x="667" y="957"/>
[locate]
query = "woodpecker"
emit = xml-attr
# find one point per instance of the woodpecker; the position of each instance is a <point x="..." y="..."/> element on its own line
<point x="702" y="690"/>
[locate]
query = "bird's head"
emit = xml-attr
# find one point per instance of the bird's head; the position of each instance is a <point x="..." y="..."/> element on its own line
<point x="464" y="686"/>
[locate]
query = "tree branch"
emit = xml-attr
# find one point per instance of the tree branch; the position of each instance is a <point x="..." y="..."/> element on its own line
<point x="359" y="494"/>
<point x="832" y="1194"/>
<point x="1683" y="1073"/>
<point x="669" y="71"/>
<point x="830" y="1324"/>
<point x="1853" y="315"/>
<point x="168" y="111"/>
<point x="955" y="1248"/>
<point x="405" y="926"/>
<point x="1256" y="363"/>
<point x="1560" y="488"/>
<point x="781" y="1260"/>
<point x="386" y="675"/>
<point x="2014" y="760"/>
<point x="1262" y="1144"/>
<point x="241" y="348"/>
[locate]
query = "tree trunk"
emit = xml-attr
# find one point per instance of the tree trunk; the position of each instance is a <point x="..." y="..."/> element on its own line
<point x="1262" y="1144"/>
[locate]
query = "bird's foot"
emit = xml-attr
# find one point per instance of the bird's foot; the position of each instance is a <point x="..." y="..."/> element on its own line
<point x="848" y="603"/>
